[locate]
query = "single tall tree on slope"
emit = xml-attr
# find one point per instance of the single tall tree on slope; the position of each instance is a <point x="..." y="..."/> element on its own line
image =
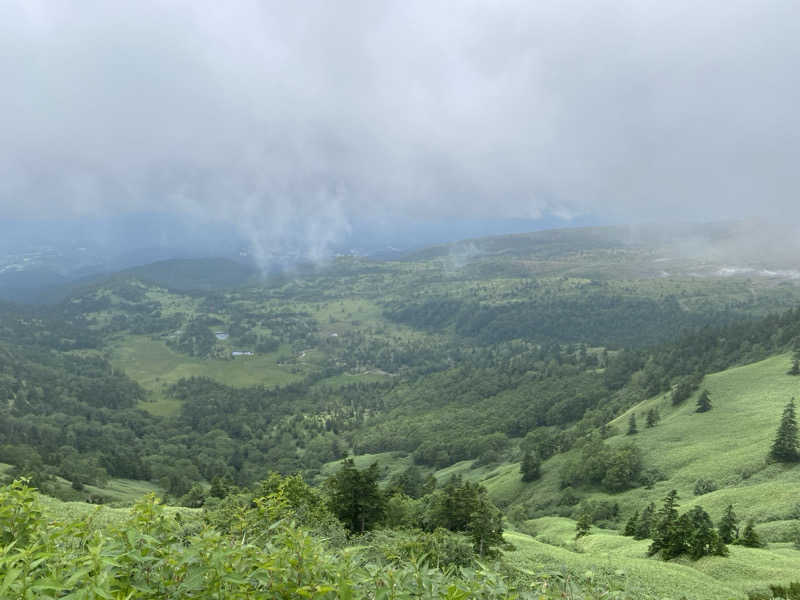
<point x="784" y="448"/>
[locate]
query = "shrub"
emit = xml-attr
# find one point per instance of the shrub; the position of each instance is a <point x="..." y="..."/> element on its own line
<point x="704" y="486"/>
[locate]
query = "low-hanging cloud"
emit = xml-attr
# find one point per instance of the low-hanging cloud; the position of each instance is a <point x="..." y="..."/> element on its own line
<point x="270" y="114"/>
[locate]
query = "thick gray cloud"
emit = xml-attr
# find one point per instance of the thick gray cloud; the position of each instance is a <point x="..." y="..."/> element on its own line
<point x="278" y="114"/>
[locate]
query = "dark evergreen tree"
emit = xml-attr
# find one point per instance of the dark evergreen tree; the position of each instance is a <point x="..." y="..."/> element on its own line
<point x="632" y="430"/>
<point x="653" y="417"/>
<point x="795" y="370"/>
<point x="665" y="538"/>
<point x="729" y="526"/>
<point x="631" y="524"/>
<point x="645" y="524"/>
<point x="220" y="487"/>
<point x="698" y="535"/>
<point x="681" y="392"/>
<point x="530" y="467"/>
<point x="485" y="527"/>
<point x="354" y="497"/>
<point x="583" y="525"/>
<point x="784" y="448"/>
<point x="409" y="482"/>
<point x="703" y="402"/>
<point x="749" y="537"/>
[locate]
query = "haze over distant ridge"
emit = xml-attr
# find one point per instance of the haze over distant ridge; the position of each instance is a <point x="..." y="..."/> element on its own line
<point x="281" y="117"/>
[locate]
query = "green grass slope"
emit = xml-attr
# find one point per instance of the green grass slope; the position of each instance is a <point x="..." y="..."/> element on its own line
<point x="727" y="445"/>
<point x="623" y="562"/>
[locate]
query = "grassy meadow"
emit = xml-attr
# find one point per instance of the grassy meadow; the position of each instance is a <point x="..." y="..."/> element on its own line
<point x="154" y="365"/>
<point x="623" y="562"/>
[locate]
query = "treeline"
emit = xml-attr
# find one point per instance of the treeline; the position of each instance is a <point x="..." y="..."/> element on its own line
<point x="707" y="350"/>
<point x="598" y="319"/>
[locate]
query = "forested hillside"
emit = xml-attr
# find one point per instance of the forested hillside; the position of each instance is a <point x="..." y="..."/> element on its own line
<point x="551" y="381"/>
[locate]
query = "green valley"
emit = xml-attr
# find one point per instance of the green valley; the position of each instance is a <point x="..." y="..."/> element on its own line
<point x="439" y="374"/>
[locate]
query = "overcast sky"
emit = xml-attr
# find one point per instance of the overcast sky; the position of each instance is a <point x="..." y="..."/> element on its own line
<point x="270" y="113"/>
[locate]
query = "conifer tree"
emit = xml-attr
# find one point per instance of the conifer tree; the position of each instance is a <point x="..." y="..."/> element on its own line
<point x="630" y="526"/>
<point x="645" y="523"/>
<point x="530" y="466"/>
<point x="784" y="448"/>
<point x="749" y="537"/>
<point x="583" y="526"/>
<point x="729" y="526"/>
<point x="698" y="535"/>
<point x="485" y="527"/>
<point x="795" y="370"/>
<point x="653" y="417"/>
<point x="632" y="430"/>
<point x="704" y="402"/>
<point x="354" y="496"/>
<point x="664" y="537"/>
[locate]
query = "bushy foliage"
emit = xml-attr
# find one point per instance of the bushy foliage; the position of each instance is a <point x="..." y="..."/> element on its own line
<point x="704" y="486"/>
<point x="612" y="468"/>
<point x="156" y="554"/>
<point x="530" y="467"/>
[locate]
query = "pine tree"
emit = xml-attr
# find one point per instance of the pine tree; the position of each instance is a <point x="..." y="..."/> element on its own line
<point x="653" y="417"/>
<point x="530" y="467"/>
<point x="630" y="526"/>
<point x="583" y="526"/>
<point x="704" y="402"/>
<point x="645" y="523"/>
<point x="664" y="532"/>
<point x="784" y="448"/>
<point x="485" y="527"/>
<point x="632" y="430"/>
<point x="795" y="370"/>
<point x="699" y="536"/>
<point x="749" y="537"/>
<point x="729" y="526"/>
<point x="354" y="496"/>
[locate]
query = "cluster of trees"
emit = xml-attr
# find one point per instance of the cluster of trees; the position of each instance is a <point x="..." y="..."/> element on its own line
<point x="614" y="469"/>
<point x="356" y="499"/>
<point x="691" y="533"/>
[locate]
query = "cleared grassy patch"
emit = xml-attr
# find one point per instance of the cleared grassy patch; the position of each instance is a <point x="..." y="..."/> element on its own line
<point x="153" y="365"/>
<point x="101" y="516"/>
<point x="389" y="463"/>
